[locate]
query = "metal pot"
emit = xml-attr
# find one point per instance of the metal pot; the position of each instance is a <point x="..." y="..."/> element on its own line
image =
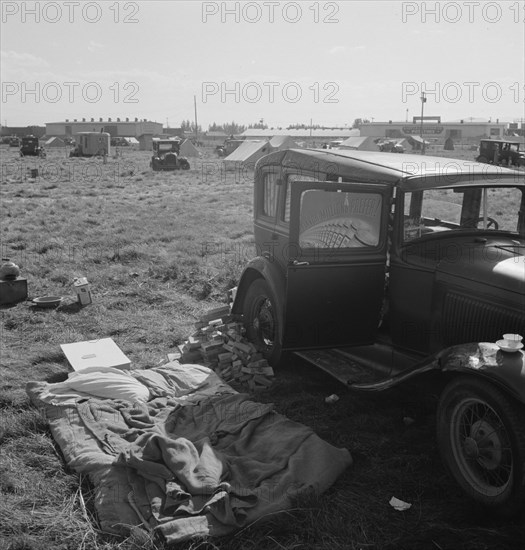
<point x="9" y="270"/>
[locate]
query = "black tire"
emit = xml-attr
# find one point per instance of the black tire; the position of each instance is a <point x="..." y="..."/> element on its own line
<point x="261" y="320"/>
<point x="481" y="437"/>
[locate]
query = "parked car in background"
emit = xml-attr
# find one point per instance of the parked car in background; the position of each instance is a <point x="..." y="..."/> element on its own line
<point x="500" y="152"/>
<point x="166" y="155"/>
<point x="30" y="147"/>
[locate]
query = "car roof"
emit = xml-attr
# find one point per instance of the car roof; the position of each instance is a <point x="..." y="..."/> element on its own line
<point x="500" y="141"/>
<point x="408" y="171"/>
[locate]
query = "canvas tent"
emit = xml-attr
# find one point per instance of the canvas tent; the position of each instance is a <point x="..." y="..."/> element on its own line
<point x="131" y="141"/>
<point x="359" y="143"/>
<point x="404" y="143"/>
<point x="187" y="149"/>
<point x="278" y="143"/>
<point x="416" y="142"/>
<point x="54" y="142"/>
<point x="247" y="154"/>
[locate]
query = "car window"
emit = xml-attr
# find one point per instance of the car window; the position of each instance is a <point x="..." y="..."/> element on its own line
<point x="434" y="211"/>
<point x="339" y="219"/>
<point x="290" y="178"/>
<point x="269" y="202"/>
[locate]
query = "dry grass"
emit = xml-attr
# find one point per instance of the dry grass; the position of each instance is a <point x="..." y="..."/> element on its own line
<point x="159" y="249"/>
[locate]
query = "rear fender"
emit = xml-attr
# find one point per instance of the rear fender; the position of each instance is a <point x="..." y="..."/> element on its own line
<point x="261" y="268"/>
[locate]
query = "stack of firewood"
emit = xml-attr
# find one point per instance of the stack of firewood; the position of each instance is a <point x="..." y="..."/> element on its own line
<point x="219" y="343"/>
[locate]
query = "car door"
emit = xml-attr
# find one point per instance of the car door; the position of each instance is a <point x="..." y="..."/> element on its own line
<point x="336" y="264"/>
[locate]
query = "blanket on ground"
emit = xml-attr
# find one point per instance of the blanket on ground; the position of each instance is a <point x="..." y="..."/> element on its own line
<point x="193" y="458"/>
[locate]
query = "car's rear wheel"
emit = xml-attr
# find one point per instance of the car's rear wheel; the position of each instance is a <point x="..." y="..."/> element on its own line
<point x="481" y="435"/>
<point x="262" y="322"/>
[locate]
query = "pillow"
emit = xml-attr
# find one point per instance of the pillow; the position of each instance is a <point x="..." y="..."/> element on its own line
<point x="108" y="383"/>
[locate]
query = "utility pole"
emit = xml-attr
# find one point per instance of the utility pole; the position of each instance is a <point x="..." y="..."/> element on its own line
<point x="196" y="126"/>
<point x="423" y="101"/>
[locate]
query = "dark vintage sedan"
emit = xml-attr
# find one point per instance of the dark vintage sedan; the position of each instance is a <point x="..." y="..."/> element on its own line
<point x="379" y="267"/>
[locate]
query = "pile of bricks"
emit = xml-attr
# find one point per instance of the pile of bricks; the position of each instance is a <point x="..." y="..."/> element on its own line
<point x="219" y="343"/>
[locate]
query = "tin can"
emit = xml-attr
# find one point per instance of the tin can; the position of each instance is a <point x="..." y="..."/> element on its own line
<point x="331" y="398"/>
<point x="82" y="289"/>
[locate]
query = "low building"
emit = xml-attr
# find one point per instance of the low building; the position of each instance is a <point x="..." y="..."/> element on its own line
<point x="436" y="132"/>
<point x="115" y="128"/>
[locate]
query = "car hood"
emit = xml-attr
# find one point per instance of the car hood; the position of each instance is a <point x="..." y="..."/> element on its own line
<point x="499" y="264"/>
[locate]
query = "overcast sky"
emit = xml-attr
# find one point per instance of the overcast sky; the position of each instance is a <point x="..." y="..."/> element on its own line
<point x="284" y="62"/>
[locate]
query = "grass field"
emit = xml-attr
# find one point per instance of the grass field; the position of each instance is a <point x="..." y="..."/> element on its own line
<point x="158" y="250"/>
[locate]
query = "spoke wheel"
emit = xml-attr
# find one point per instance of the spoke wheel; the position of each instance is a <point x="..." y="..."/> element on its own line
<point x="261" y="320"/>
<point x="482" y="441"/>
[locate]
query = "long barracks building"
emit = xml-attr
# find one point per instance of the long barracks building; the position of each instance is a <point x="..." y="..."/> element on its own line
<point x="116" y="128"/>
<point x="436" y="131"/>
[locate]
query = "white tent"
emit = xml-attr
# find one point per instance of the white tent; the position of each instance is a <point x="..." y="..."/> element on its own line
<point x="359" y="143"/>
<point x="279" y="143"/>
<point x="54" y="142"/>
<point x="131" y="141"/>
<point x="247" y="154"/>
<point x="187" y="149"/>
<point x="416" y="142"/>
<point x="404" y="143"/>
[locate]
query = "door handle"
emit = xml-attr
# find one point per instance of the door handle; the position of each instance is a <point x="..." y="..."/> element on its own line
<point x="297" y="262"/>
<point x="275" y="237"/>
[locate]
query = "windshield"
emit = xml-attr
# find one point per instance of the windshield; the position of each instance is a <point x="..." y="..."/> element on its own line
<point x="464" y="209"/>
<point x="167" y="146"/>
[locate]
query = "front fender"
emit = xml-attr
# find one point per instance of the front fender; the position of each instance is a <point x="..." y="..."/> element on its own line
<point x="268" y="270"/>
<point x="485" y="359"/>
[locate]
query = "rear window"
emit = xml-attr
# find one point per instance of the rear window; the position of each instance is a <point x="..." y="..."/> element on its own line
<point x="270" y="191"/>
<point x="290" y="178"/>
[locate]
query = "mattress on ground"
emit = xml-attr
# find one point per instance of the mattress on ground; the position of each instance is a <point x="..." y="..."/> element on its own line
<point x="195" y="458"/>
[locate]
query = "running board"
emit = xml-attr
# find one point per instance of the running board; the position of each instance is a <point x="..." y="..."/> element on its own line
<point x="370" y="371"/>
<point x="340" y="366"/>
